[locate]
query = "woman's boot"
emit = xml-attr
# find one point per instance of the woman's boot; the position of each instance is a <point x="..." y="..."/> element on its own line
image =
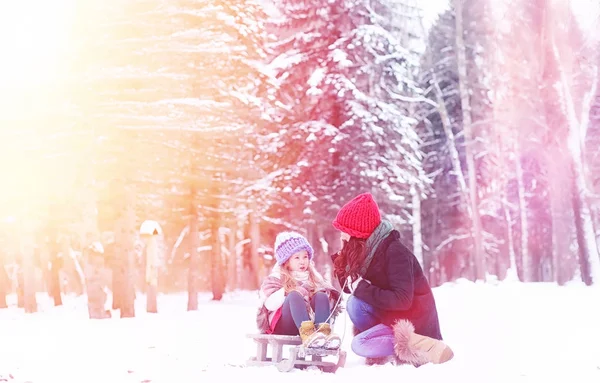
<point x="418" y="349"/>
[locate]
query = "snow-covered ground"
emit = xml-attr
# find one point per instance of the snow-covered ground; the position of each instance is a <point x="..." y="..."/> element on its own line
<point x="509" y="332"/>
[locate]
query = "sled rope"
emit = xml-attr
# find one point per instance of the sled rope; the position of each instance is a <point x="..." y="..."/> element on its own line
<point x="337" y="303"/>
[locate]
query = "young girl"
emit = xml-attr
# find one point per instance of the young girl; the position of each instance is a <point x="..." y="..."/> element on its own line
<point x="295" y="296"/>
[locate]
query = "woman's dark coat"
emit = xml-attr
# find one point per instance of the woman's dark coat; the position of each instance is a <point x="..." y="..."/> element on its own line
<point x="398" y="288"/>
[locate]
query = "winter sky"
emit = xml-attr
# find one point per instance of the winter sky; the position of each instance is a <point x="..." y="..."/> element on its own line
<point x="588" y="12"/>
<point x="431" y="9"/>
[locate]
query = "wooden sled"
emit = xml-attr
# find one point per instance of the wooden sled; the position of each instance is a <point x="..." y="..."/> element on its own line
<point x="297" y="354"/>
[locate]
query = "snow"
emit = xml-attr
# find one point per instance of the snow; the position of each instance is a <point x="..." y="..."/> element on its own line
<point x="314" y="81"/>
<point x="500" y="332"/>
<point x="341" y="57"/>
<point x="148" y="227"/>
<point x="287" y="60"/>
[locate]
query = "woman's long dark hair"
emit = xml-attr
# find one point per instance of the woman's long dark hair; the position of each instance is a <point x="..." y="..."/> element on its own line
<point x="353" y="255"/>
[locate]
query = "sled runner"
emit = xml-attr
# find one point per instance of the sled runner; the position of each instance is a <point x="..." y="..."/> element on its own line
<point x="297" y="354"/>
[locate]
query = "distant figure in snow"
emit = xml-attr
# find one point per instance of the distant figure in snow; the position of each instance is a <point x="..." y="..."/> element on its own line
<point x="391" y="306"/>
<point x="296" y="299"/>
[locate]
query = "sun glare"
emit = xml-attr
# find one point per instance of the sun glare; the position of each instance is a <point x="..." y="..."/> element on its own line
<point x="34" y="39"/>
<point x="34" y="46"/>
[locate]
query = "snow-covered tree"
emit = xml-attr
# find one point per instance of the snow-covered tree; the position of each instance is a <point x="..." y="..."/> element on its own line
<point x="346" y="85"/>
<point x="448" y="212"/>
<point x="576" y="78"/>
<point x="536" y="92"/>
<point x="182" y="84"/>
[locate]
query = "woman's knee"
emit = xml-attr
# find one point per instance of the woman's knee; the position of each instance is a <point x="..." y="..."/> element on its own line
<point x="355" y="345"/>
<point x="362" y="348"/>
<point x="356" y="307"/>
<point x="374" y="343"/>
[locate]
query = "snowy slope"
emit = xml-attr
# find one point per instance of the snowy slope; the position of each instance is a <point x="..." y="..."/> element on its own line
<point x="500" y="333"/>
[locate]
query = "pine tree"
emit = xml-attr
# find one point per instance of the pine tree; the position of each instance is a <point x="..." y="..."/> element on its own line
<point x="183" y="83"/>
<point x="346" y="84"/>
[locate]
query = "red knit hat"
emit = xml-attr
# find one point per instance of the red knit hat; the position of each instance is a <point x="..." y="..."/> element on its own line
<point x="359" y="217"/>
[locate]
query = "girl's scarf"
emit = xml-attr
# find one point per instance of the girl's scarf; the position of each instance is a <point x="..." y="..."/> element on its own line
<point x="301" y="276"/>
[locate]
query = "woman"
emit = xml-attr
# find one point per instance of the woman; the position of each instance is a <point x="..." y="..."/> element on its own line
<point x="392" y="306"/>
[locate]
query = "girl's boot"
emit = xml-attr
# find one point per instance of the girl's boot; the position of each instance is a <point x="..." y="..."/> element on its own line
<point x="332" y="341"/>
<point x="309" y="335"/>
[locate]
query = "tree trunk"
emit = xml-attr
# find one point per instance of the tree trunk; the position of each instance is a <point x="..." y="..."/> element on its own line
<point x="232" y="261"/>
<point x="312" y="236"/>
<point x="117" y="282"/>
<point x="216" y="257"/>
<point x="4" y="284"/>
<point x="193" y="261"/>
<point x="96" y="296"/>
<point x="416" y="224"/>
<point x="581" y="213"/>
<point x="54" y="280"/>
<point x="217" y="278"/>
<point x="326" y="264"/>
<point x="254" y="243"/>
<point x="478" y="256"/>
<point x="560" y="206"/>
<point x="151" y="299"/>
<point x="248" y="273"/>
<point x="588" y="249"/>
<point x="524" y="242"/>
<point x="20" y="287"/>
<point x="511" y="273"/>
<point x="53" y="274"/>
<point x="28" y="254"/>
<point x="446" y="124"/>
<point x="125" y="254"/>
<point x="151" y="262"/>
<point x="430" y="258"/>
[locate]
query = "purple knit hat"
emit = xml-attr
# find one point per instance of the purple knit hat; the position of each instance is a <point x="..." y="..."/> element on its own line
<point x="289" y="243"/>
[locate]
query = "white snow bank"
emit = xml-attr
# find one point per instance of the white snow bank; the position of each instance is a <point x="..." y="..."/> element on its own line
<point x="510" y="332"/>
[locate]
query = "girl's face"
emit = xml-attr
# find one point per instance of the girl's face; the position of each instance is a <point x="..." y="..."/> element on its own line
<point x="299" y="261"/>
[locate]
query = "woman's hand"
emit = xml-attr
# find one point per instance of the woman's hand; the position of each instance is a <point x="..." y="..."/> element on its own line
<point x="352" y="286"/>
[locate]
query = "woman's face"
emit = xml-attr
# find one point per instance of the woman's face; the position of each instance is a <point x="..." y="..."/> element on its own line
<point x="344" y="237"/>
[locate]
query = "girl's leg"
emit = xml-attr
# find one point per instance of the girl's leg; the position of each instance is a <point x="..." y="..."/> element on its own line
<point x="320" y="305"/>
<point x="296" y="321"/>
<point x="362" y="314"/>
<point x="376" y="342"/>
<point x="293" y="313"/>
